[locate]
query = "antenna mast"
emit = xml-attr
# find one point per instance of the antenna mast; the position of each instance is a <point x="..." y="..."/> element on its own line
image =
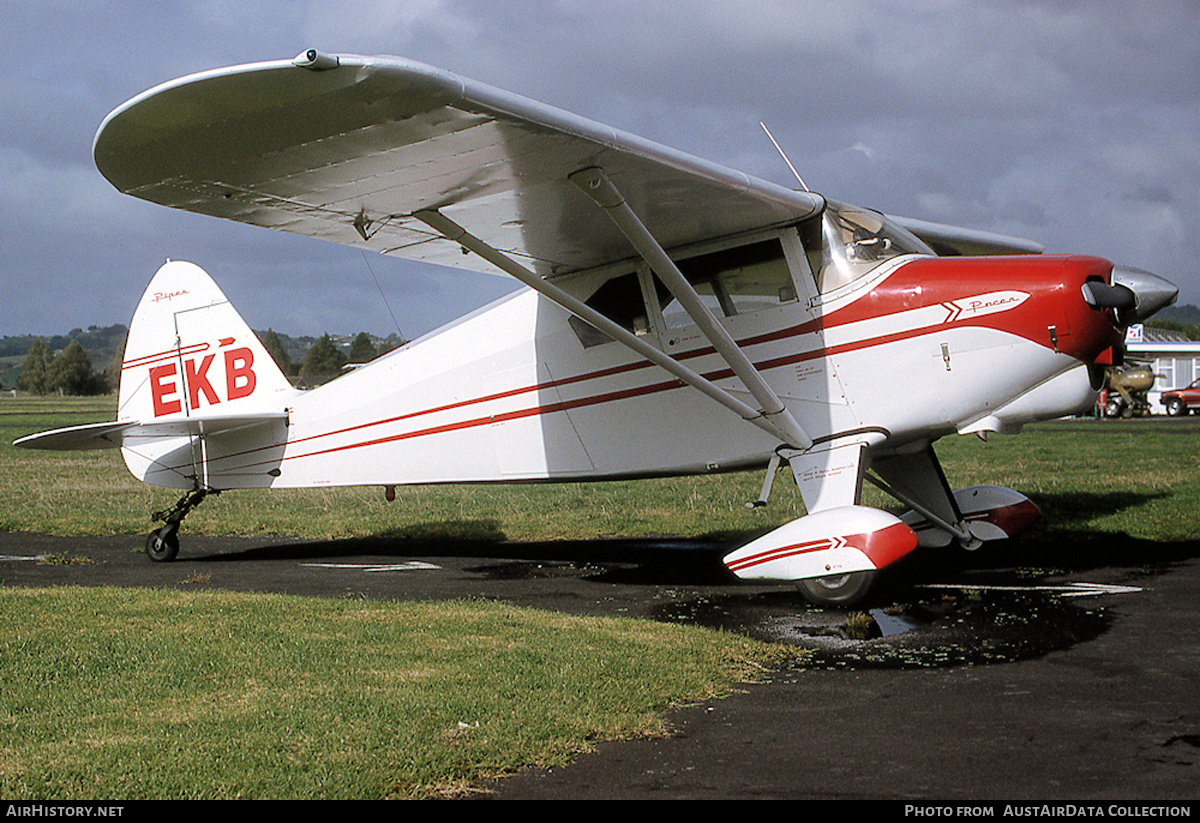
<point x="803" y="185"/>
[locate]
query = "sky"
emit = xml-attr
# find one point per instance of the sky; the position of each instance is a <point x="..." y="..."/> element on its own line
<point x="1075" y="124"/>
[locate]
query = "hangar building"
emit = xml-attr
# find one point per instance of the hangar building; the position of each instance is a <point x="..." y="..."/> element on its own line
<point x="1174" y="358"/>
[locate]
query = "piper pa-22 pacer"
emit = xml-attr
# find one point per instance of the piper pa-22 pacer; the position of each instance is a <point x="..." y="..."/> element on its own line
<point x="679" y="317"/>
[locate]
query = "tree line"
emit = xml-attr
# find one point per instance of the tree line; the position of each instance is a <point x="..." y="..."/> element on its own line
<point x="71" y="372"/>
<point x="324" y="359"/>
<point x="68" y="372"/>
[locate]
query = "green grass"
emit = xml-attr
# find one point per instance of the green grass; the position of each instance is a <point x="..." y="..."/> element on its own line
<point x="121" y="693"/>
<point x="1140" y="478"/>
<point x="118" y="693"/>
<point x="78" y="493"/>
<point x="126" y="693"/>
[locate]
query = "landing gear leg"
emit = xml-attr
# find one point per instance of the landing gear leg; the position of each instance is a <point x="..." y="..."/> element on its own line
<point x="162" y="544"/>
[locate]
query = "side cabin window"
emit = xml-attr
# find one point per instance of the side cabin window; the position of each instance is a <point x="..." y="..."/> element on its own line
<point x="852" y="243"/>
<point x="842" y="245"/>
<point x="735" y="281"/>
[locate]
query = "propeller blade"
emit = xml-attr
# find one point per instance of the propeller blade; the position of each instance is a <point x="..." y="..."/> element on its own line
<point x="1151" y="292"/>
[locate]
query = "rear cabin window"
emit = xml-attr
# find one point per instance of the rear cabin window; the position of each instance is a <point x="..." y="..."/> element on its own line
<point x="620" y="300"/>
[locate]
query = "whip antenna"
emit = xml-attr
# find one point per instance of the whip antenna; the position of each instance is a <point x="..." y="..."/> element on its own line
<point x="381" y="294"/>
<point x="803" y="185"/>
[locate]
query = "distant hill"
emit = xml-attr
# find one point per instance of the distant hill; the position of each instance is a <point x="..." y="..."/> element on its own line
<point x="1184" y="319"/>
<point x="1181" y="314"/>
<point x="103" y="345"/>
<point x="108" y="339"/>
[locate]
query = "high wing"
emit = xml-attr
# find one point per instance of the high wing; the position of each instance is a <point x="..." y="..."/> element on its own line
<point x="405" y="159"/>
<point x="349" y="148"/>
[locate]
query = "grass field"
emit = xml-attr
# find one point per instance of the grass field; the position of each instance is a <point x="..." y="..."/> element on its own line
<point x="1139" y="477"/>
<point x="77" y="493"/>
<point x="124" y="693"/>
<point x="117" y="693"/>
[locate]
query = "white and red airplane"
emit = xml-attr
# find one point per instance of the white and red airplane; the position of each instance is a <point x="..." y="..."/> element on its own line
<point x="679" y="317"/>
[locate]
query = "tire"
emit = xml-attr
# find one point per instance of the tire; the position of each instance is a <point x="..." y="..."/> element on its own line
<point x="162" y="548"/>
<point x="838" y="589"/>
<point x="1175" y="407"/>
<point x="1113" y="409"/>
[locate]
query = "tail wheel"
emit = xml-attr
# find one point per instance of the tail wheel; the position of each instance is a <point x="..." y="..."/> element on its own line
<point x="162" y="545"/>
<point x="838" y="589"/>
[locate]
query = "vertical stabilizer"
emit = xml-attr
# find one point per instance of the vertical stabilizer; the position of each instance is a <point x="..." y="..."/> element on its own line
<point x="191" y="355"/>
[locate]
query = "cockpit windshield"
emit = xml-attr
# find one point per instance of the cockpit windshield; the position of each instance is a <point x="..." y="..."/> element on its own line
<point x="853" y="242"/>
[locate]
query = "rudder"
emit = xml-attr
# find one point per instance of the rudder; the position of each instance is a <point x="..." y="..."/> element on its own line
<point x="190" y="354"/>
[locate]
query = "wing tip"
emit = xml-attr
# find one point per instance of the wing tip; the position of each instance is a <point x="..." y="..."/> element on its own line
<point x="955" y="240"/>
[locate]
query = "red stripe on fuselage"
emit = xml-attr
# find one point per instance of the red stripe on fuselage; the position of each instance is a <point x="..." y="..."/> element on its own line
<point x="1053" y="284"/>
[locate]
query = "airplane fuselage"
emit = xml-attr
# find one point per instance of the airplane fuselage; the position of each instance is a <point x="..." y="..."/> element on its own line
<point x="919" y="348"/>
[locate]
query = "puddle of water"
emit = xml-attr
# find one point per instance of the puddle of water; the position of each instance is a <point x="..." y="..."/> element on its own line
<point x="534" y="570"/>
<point x="892" y="625"/>
<point x="942" y="629"/>
<point x="972" y="625"/>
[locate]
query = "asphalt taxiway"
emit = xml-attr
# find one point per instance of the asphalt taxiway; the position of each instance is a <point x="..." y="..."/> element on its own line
<point x="1049" y="672"/>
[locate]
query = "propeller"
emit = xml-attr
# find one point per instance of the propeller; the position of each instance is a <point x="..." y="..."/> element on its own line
<point x="1134" y="294"/>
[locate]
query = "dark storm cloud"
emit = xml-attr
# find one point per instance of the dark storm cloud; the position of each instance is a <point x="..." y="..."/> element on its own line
<point x="1074" y="124"/>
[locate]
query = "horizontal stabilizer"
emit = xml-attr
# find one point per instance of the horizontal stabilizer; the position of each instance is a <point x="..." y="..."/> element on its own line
<point x="113" y="435"/>
<point x="77" y="438"/>
<point x="834" y="541"/>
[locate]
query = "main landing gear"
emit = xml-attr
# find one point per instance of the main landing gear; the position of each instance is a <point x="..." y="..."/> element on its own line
<point x="162" y="544"/>
<point x="837" y="589"/>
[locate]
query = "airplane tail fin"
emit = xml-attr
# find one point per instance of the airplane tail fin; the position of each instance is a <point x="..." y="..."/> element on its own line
<point x="190" y="354"/>
<point x="206" y="404"/>
<point x="202" y="403"/>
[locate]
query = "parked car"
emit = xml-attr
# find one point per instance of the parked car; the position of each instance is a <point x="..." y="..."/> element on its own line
<point x="1181" y="401"/>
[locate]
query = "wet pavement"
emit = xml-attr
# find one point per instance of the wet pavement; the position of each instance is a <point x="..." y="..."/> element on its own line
<point x="1050" y="670"/>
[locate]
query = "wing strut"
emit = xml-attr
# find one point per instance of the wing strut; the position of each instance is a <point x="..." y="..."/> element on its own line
<point x="456" y="233"/>
<point x="595" y="184"/>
